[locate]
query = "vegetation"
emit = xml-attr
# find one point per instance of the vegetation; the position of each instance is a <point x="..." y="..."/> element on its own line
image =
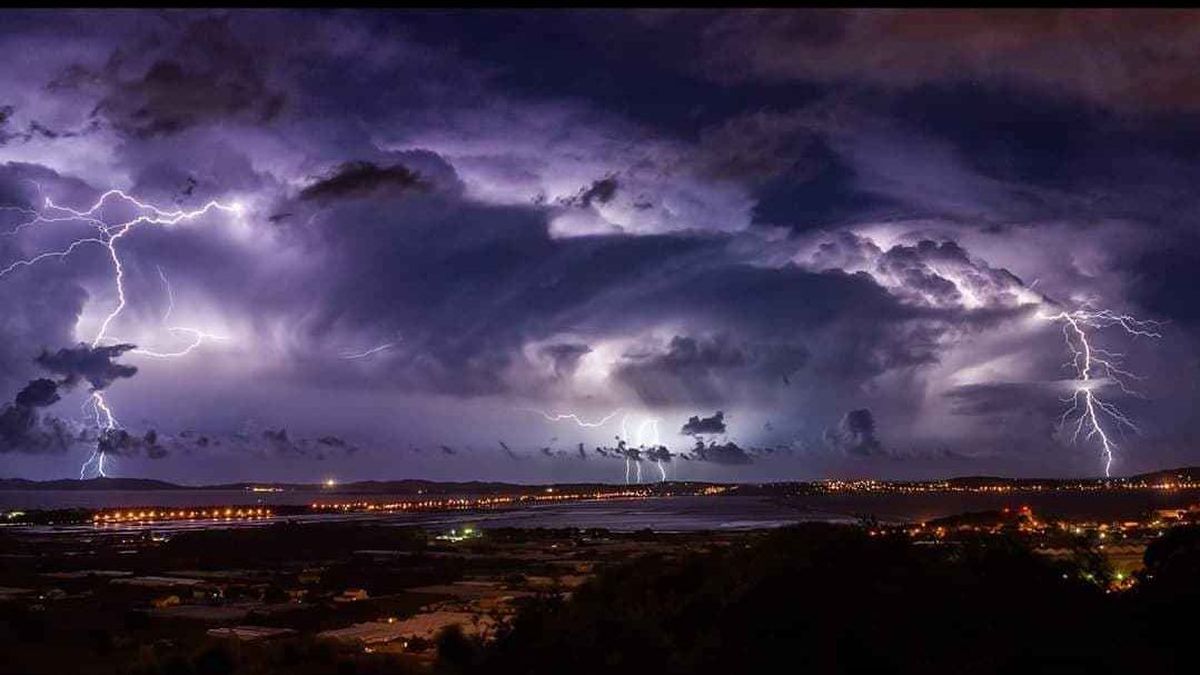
<point x="812" y="598"/>
<point x="830" y="599"/>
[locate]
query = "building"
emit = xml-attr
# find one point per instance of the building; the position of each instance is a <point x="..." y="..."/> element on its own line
<point x="351" y="595"/>
<point x="164" y="601"/>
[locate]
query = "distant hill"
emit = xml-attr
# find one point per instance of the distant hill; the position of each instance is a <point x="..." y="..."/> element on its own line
<point x="413" y="486"/>
<point x="89" y="484"/>
<point x="1188" y="474"/>
<point x="1181" y="474"/>
<point x="397" y="487"/>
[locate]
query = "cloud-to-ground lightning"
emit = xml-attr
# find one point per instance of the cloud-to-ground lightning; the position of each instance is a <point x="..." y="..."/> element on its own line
<point x="1095" y="368"/>
<point x="108" y="236"/>
<point x="646" y="436"/>
<point x="592" y="424"/>
<point x="623" y="439"/>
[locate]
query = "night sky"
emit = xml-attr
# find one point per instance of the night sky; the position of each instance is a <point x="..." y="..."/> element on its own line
<point x="783" y="245"/>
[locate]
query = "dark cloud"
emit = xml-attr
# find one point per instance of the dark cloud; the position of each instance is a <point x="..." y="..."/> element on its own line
<point x="95" y="365"/>
<point x="121" y="443"/>
<point x="707" y="370"/>
<point x="24" y="429"/>
<point x="697" y="426"/>
<point x="601" y="191"/>
<point x="761" y="146"/>
<point x="169" y="83"/>
<point x="508" y="452"/>
<point x="624" y="450"/>
<point x="278" y="438"/>
<point x="267" y="444"/>
<point x="729" y="454"/>
<point x="6" y="134"/>
<point x="1160" y="275"/>
<point x="1003" y="398"/>
<point x="277" y="443"/>
<point x="333" y="442"/>
<point x="659" y="453"/>
<point x="1025" y="416"/>
<point x="39" y="393"/>
<point x="361" y="179"/>
<point x="1046" y="50"/>
<point x="565" y="357"/>
<point x="33" y="129"/>
<point x="855" y="434"/>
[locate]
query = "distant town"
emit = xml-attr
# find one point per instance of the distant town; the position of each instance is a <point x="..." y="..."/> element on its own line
<point x="336" y="571"/>
<point x="1167" y="479"/>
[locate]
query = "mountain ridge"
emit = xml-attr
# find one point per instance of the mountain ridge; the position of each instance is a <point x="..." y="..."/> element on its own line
<point x="422" y="486"/>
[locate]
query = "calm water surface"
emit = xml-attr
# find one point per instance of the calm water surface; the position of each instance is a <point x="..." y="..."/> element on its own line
<point x="663" y="514"/>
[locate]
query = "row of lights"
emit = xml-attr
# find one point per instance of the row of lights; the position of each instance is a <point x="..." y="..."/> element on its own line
<point x="478" y="502"/>
<point x="230" y="513"/>
<point x="879" y="486"/>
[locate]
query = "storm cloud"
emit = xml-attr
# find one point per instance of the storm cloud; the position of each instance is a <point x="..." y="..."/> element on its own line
<point x="166" y="87"/>
<point x="121" y="443"/>
<point x="361" y="179"/>
<point x="855" y="434"/>
<point x="23" y="428"/>
<point x="94" y="365"/>
<point x="697" y="426"/>
<point x="780" y="215"/>
<point x="729" y="454"/>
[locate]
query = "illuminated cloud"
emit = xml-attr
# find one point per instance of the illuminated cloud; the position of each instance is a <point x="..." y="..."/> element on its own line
<point x="781" y="215"/>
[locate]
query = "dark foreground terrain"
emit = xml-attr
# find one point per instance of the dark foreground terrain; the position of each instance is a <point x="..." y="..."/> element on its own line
<point x="831" y="599"/>
<point x="817" y="598"/>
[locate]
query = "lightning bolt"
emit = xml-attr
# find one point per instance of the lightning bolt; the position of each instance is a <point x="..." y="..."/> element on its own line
<point x="646" y="435"/>
<point x="350" y="356"/>
<point x="108" y="236"/>
<point x="1089" y="415"/>
<point x="197" y="336"/>
<point x="559" y="417"/>
<point x="624" y="435"/>
<point x="170" y="294"/>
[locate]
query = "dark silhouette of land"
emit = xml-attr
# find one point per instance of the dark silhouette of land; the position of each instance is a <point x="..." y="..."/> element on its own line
<point x="831" y="599"/>
<point x="1003" y="590"/>
<point x="1182" y="475"/>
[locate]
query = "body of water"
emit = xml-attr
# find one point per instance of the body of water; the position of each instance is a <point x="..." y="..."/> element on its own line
<point x="660" y="514"/>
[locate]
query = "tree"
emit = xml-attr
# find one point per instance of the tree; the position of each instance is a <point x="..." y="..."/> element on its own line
<point x="457" y="653"/>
